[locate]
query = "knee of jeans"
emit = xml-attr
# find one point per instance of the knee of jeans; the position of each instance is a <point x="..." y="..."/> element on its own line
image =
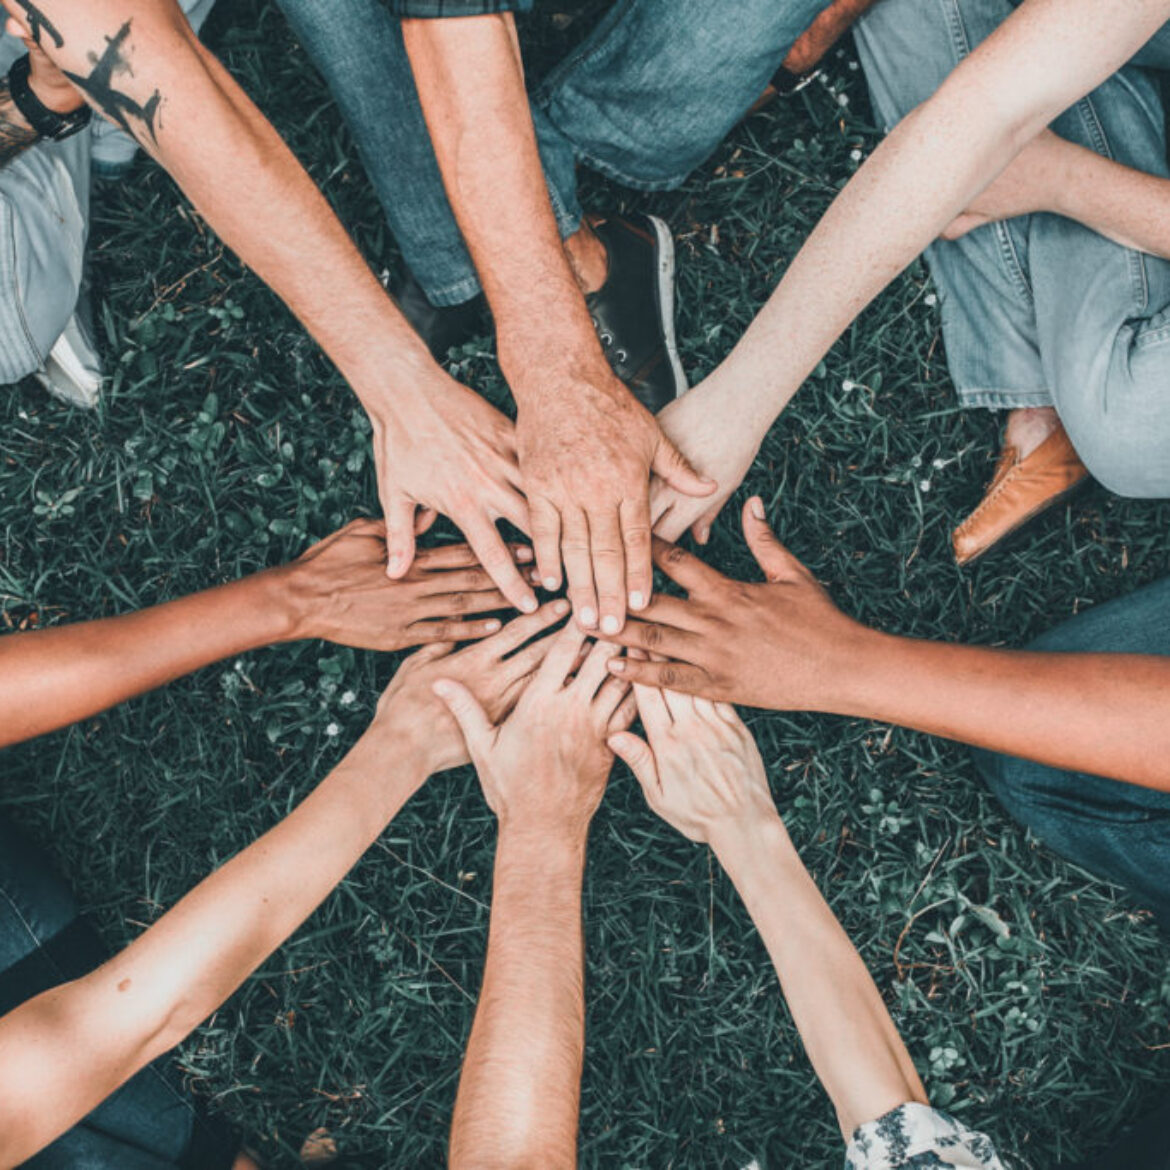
<point x="1128" y="455"/>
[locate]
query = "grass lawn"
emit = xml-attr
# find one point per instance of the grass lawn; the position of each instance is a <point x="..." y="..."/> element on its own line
<point x="1035" y="999"/>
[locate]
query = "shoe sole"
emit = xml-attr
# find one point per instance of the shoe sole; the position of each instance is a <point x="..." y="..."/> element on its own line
<point x="1018" y="529"/>
<point x="665" y="244"/>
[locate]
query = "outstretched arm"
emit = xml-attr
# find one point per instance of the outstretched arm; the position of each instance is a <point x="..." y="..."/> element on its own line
<point x="702" y="773"/>
<point x="784" y="645"/>
<point x="337" y="591"/>
<point x="437" y="445"/>
<point x="544" y="772"/>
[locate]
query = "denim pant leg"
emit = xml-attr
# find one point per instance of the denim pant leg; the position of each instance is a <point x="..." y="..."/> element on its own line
<point x="44" y="224"/>
<point x="359" y="51"/>
<point x="1119" y="831"/>
<point x="907" y="48"/>
<point x="150" y="1123"/>
<point x="659" y="83"/>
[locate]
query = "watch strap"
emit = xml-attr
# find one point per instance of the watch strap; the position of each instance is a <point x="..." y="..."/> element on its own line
<point x="45" y="122"/>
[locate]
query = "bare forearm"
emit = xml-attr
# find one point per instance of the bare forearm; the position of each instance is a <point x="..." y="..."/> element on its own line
<point x="846" y="1029"/>
<point x="151" y="995"/>
<point x="1104" y="714"/>
<point x="51" y="678"/>
<point x="519" y="1091"/>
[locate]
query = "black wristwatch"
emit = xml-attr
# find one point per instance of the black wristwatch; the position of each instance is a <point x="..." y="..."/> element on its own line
<point x="47" y="123"/>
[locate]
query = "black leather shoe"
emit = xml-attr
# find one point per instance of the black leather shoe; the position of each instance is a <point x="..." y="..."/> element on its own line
<point x="633" y="312"/>
<point x="442" y="327"/>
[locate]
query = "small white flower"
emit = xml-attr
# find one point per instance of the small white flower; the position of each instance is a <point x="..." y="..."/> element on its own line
<point x="930" y="299"/>
<point x="855" y="155"/>
<point x="842" y="99"/>
<point x="333" y="730"/>
<point x="348" y="699"/>
<point x="924" y="485"/>
<point x="916" y="461"/>
<point x="854" y="66"/>
<point x="847" y="385"/>
<point x="239" y="666"/>
<point x="939" y="464"/>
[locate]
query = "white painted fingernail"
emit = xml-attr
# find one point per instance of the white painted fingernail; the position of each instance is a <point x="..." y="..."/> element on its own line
<point x="610" y="625"/>
<point x="637" y="600"/>
<point x="528" y="604"/>
<point x="588" y="617"/>
<point x="491" y="625"/>
<point x="757" y="507"/>
<point x="560" y="608"/>
<point x="550" y="583"/>
<point x="395" y="562"/>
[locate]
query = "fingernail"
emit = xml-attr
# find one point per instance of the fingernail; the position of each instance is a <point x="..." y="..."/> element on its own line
<point x="610" y="624"/>
<point x="491" y="625"/>
<point x="588" y="617"/>
<point x="560" y="608"/>
<point x="550" y="583"/>
<point x="394" y="562"/>
<point x="637" y="600"/>
<point x="524" y="554"/>
<point x="441" y="688"/>
<point x="528" y="604"/>
<point x="617" y="665"/>
<point x="757" y="508"/>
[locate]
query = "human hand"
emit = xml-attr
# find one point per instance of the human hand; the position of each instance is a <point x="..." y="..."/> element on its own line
<point x="544" y="768"/>
<point x="495" y="672"/>
<point x="719" y="443"/>
<point x="51" y="87"/>
<point x="587" y="448"/>
<point x="782" y="644"/>
<point x="701" y="771"/>
<point x="454" y="454"/>
<point x="338" y="590"/>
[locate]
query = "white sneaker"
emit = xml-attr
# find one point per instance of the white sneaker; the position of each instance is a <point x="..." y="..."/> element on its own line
<point x="72" y="371"/>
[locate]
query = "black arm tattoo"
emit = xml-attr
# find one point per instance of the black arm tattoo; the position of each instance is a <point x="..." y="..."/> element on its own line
<point x="38" y="22"/>
<point x="99" y="87"/>
<point x="16" y="135"/>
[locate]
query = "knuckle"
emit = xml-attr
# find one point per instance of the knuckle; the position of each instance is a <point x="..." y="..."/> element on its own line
<point x="459" y="602"/>
<point x="677" y="555"/>
<point x="652" y="636"/>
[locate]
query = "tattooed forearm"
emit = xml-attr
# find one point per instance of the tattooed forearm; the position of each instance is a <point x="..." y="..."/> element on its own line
<point x="100" y="89"/>
<point x="39" y="23"/>
<point x="16" y="135"/>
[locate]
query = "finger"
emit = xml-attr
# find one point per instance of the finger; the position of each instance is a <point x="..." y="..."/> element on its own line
<point x="680" y="706"/>
<point x="593" y="671"/>
<point x="546" y="541"/>
<point x="464" y="601"/>
<point x="609" y="568"/>
<point x="443" y="558"/>
<point x="579" y="567"/>
<point x="701" y="529"/>
<point x="513" y="507"/>
<point x="558" y="663"/>
<point x="683" y="568"/>
<point x="521" y="629"/>
<point x="470" y="716"/>
<point x="449" y="631"/>
<point x="624" y="715"/>
<point x="425" y="520"/>
<point x="654" y="638"/>
<point x="493" y="554"/>
<point x="399" y="536"/>
<point x="675" y="676"/>
<point x="728" y="714"/>
<point x="639" y="759"/>
<point x="653" y="710"/>
<point x="672" y="466"/>
<point x="635" y="520"/>
<point x="429" y="653"/>
<point x="526" y="662"/>
<point x="773" y="558"/>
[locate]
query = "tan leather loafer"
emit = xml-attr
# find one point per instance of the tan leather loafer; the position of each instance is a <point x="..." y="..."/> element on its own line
<point x="1019" y="491"/>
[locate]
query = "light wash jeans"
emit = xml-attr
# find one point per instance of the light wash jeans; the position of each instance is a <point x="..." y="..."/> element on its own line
<point x="44" y="228"/>
<point x="1040" y="310"/>
<point x="644" y="100"/>
<point x="1118" y="831"/>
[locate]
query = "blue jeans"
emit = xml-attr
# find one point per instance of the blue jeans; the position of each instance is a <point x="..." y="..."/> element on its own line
<point x="151" y="1122"/>
<point x="1040" y="310"/>
<point x="644" y="100"/>
<point x="1118" y="831"/>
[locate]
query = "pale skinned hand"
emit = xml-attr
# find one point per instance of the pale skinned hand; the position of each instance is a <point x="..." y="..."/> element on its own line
<point x="454" y="454"/>
<point x="51" y="86"/>
<point x="782" y="644"/>
<point x="338" y="591"/>
<point x="494" y="673"/>
<point x="701" y="771"/>
<point x="545" y="767"/>
<point x="587" y="450"/>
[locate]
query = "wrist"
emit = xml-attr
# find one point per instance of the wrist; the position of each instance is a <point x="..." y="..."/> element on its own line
<point x="545" y="850"/>
<point x="752" y="850"/>
<point x="859" y="683"/>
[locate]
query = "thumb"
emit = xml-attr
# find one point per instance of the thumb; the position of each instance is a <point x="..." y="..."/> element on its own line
<point x="638" y="757"/>
<point x="399" y="512"/>
<point x="672" y="466"/>
<point x="468" y="713"/>
<point x="776" y="561"/>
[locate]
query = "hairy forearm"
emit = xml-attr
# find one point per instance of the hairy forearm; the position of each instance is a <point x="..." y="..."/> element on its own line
<point x="846" y="1029"/>
<point x="470" y="81"/>
<point x="51" y="678"/>
<point x="518" y="1097"/>
<point x="1104" y="714"/>
<point x="1041" y="59"/>
<point x="151" y="995"/>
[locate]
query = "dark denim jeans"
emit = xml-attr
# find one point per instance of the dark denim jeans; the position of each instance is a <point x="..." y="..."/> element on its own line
<point x="1118" y="831"/>
<point x="151" y="1122"/>
<point x="645" y="99"/>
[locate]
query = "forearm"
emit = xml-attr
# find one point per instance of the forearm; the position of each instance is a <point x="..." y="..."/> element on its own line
<point x="51" y="678"/>
<point x="519" y="1091"/>
<point x="1041" y="59"/>
<point x="151" y="995"/>
<point x="846" y="1030"/>
<point x="470" y="80"/>
<point x="1104" y="714"/>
